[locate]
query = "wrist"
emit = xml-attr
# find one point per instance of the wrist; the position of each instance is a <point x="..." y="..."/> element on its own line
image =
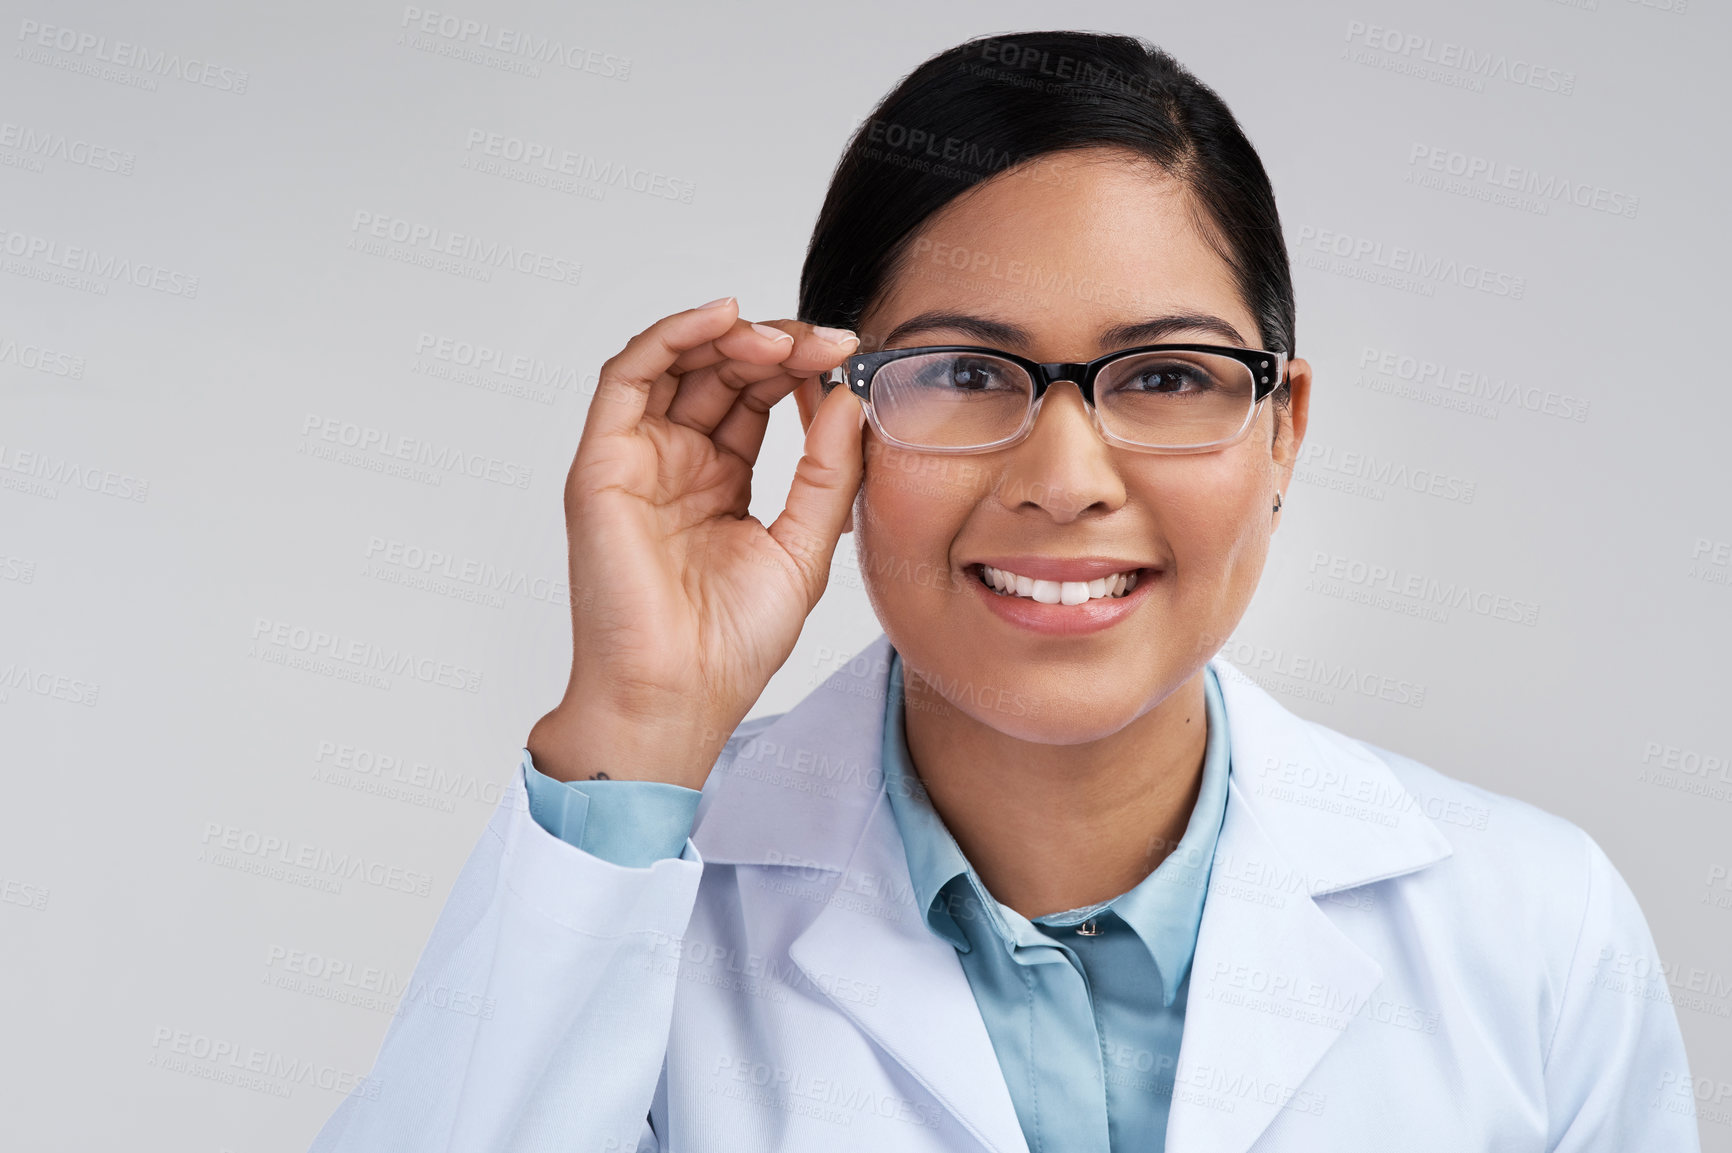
<point x="572" y="745"/>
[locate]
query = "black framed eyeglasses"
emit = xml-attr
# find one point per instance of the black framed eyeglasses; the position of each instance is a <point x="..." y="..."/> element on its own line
<point x="958" y="398"/>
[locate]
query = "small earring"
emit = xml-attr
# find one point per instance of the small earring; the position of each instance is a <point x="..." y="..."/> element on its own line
<point x="1277" y="502"/>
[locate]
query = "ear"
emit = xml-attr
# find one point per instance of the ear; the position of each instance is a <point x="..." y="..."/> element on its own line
<point x="1290" y="423"/>
<point x="807" y="396"/>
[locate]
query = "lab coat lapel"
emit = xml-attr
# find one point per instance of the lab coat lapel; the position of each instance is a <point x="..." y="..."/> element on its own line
<point x="1274" y="981"/>
<point x="871" y="934"/>
<point x="807" y="792"/>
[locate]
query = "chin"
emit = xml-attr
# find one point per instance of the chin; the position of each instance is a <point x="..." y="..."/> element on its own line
<point x="1027" y="712"/>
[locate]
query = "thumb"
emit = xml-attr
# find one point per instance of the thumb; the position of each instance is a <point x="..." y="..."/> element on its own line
<point x="825" y="481"/>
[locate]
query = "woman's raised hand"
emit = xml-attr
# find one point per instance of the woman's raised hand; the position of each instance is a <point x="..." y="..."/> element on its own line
<point x="683" y="604"/>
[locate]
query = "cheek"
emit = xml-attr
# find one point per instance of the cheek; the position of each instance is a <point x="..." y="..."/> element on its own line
<point x="920" y="495"/>
<point x="1217" y="516"/>
<point x="910" y="510"/>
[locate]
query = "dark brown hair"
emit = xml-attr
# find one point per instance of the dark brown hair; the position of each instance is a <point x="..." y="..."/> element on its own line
<point x="995" y="102"/>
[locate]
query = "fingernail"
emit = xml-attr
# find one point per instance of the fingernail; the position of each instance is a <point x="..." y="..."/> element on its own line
<point x="836" y="335"/>
<point x="772" y="333"/>
<point x="716" y="303"/>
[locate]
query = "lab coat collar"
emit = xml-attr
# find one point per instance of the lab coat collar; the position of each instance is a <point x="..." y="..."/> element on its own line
<point x="1309" y="813"/>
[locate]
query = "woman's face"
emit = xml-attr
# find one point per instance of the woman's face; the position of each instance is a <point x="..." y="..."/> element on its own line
<point x="1062" y="250"/>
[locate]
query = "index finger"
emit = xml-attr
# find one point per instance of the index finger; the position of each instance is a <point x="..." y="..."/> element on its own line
<point x="626" y="378"/>
<point x="815" y="349"/>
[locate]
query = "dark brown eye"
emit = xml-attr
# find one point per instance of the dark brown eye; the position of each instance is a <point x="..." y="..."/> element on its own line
<point x="972" y="374"/>
<point x="1170" y="377"/>
<point x="959" y="373"/>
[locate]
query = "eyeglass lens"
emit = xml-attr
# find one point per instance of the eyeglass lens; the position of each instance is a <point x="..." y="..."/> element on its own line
<point x="1157" y="399"/>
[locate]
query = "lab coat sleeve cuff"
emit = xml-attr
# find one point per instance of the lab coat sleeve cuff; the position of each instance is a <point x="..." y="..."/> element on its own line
<point x="629" y="823"/>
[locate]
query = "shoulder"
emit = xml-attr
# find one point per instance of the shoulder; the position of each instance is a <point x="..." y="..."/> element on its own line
<point x="1559" y="938"/>
<point x="1510" y="846"/>
<point x="1520" y="882"/>
<point x="1494" y="835"/>
<point x="1360" y="810"/>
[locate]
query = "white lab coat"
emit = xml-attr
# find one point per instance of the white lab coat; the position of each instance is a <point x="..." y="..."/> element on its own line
<point x="1389" y="959"/>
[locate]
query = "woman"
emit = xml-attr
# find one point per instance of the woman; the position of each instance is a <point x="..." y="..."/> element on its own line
<point x="1031" y="872"/>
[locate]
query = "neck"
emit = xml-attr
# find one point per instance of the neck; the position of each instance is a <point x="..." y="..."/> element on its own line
<point x="1056" y="827"/>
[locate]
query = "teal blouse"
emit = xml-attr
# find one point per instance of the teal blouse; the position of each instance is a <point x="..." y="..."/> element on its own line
<point x="1085" y="1008"/>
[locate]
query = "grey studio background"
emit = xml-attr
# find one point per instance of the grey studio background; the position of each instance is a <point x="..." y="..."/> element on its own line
<point x="230" y="301"/>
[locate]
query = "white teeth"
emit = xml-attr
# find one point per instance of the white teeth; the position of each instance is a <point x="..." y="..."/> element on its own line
<point x="1058" y="592"/>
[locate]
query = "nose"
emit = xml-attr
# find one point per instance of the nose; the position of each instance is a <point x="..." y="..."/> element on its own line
<point x="1063" y="467"/>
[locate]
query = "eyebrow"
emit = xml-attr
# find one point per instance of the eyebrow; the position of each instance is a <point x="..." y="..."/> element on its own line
<point x="1003" y="333"/>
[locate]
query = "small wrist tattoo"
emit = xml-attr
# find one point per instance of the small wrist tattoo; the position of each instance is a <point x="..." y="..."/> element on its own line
<point x="600" y="777"/>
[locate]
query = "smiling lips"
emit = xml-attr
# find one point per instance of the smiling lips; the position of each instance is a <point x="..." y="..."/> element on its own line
<point x="1050" y="580"/>
<point x="1062" y="596"/>
<point x="1057" y="592"/>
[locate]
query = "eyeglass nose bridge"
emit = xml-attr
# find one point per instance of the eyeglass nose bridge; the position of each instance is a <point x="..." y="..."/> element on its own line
<point x="1077" y="374"/>
<point x="1051" y="374"/>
